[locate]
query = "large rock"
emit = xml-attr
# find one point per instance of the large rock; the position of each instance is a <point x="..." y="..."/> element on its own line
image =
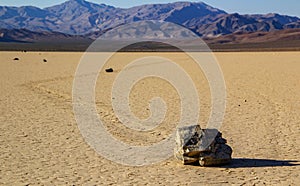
<point x="203" y="146"/>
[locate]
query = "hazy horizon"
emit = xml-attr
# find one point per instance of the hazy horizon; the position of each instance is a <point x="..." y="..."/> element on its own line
<point x="288" y="7"/>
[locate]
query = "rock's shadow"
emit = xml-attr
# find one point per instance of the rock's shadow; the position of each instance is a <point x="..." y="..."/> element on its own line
<point x="248" y="163"/>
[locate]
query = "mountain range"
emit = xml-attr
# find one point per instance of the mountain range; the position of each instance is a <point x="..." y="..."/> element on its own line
<point x="89" y="20"/>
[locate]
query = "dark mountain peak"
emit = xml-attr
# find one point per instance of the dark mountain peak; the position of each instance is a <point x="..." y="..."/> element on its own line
<point x="276" y="15"/>
<point x="76" y="8"/>
<point x="234" y="15"/>
<point x="184" y="12"/>
<point x="179" y="5"/>
<point x="201" y="6"/>
<point x="272" y="15"/>
<point x="80" y="3"/>
<point x="31" y="11"/>
<point x="78" y="16"/>
<point x="178" y="12"/>
<point x="188" y="3"/>
<point x="29" y="8"/>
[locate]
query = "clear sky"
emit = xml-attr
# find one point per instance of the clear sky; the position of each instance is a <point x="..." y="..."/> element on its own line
<point x="287" y="7"/>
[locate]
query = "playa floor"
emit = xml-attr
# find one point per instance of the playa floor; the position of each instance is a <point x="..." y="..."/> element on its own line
<point x="40" y="143"/>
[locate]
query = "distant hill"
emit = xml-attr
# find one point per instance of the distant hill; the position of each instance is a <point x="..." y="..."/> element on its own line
<point x="287" y="35"/>
<point x="79" y="17"/>
<point x="24" y="35"/>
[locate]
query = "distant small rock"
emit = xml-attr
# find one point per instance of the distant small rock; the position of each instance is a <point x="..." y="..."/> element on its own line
<point x="45" y="60"/>
<point x="16" y="59"/>
<point x="109" y="70"/>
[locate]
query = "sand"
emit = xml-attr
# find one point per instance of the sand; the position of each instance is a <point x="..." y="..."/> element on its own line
<point x="40" y="143"/>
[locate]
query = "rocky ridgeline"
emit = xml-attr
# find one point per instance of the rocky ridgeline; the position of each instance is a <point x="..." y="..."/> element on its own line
<point x="79" y="17"/>
<point x="204" y="146"/>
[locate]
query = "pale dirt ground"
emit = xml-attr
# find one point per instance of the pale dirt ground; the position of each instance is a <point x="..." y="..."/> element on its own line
<point x="41" y="144"/>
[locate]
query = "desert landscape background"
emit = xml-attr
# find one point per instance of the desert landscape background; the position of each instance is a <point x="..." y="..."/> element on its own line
<point x="40" y="49"/>
<point x="41" y="143"/>
<point x="73" y="25"/>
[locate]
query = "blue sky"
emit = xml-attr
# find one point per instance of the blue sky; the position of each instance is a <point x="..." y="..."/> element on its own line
<point x="287" y="7"/>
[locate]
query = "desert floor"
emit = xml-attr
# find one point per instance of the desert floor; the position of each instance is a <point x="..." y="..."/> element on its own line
<point x="40" y="143"/>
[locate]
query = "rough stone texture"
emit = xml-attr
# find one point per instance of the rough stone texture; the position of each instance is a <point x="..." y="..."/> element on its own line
<point x="203" y="146"/>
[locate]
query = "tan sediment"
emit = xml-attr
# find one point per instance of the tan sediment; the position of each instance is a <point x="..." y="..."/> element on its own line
<point x="41" y="144"/>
